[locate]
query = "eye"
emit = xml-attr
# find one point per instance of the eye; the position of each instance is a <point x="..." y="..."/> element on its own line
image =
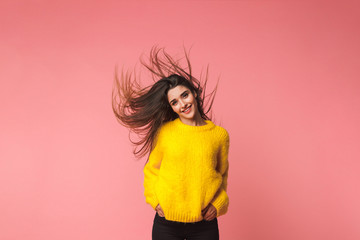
<point x="185" y="95"/>
<point x="173" y="103"/>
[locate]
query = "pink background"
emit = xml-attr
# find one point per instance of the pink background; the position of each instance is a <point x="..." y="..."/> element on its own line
<point x="289" y="96"/>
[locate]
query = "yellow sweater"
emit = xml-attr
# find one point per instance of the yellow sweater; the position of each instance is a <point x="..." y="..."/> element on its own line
<point x="187" y="170"/>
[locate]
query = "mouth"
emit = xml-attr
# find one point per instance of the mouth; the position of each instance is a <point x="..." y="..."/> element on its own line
<point x="187" y="109"/>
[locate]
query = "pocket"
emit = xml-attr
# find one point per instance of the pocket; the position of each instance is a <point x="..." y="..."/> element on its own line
<point x="156" y="214"/>
<point x="159" y="219"/>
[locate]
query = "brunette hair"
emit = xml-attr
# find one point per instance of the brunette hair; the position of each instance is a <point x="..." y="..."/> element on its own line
<point x="143" y="110"/>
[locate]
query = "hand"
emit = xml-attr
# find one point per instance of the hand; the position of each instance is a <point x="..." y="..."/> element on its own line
<point x="209" y="213"/>
<point x="159" y="210"/>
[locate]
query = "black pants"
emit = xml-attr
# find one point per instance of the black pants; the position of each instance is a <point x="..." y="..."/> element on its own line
<point x="169" y="230"/>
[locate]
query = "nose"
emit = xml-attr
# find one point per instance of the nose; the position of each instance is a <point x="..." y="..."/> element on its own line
<point x="182" y="103"/>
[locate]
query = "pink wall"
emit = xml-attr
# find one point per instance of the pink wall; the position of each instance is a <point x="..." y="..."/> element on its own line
<point x="289" y="96"/>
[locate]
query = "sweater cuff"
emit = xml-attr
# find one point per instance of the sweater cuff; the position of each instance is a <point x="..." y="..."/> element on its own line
<point x="221" y="203"/>
<point x="152" y="202"/>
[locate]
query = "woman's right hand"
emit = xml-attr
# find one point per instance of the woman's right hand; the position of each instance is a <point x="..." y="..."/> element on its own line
<point x="159" y="210"/>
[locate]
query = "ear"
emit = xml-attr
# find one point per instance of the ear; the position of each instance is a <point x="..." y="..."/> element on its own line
<point x="195" y="94"/>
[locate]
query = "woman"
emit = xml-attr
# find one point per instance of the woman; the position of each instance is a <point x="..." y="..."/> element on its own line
<point x="185" y="177"/>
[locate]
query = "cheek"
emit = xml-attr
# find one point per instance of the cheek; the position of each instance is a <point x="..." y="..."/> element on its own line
<point x="175" y="109"/>
<point x="192" y="100"/>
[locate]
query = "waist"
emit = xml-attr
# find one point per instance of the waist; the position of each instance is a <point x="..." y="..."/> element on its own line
<point x="175" y="223"/>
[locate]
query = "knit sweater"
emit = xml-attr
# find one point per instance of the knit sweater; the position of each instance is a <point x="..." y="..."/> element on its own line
<point x="188" y="169"/>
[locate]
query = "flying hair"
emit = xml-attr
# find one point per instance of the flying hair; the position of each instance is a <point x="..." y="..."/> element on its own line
<point x="143" y="110"/>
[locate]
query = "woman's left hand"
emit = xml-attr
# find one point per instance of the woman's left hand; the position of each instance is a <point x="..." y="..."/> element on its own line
<point x="209" y="213"/>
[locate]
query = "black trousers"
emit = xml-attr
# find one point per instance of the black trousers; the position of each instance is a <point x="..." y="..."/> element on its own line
<point x="169" y="230"/>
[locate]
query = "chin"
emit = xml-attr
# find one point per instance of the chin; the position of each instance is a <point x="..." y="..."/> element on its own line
<point x="189" y="117"/>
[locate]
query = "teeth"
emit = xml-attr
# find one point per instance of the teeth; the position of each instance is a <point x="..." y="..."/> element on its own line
<point x="186" y="109"/>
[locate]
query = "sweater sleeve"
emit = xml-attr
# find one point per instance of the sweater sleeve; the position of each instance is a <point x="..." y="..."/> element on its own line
<point x="221" y="199"/>
<point x="151" y="173"/>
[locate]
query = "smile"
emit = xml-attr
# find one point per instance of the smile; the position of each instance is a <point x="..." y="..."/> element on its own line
<point x="187" y="110"/>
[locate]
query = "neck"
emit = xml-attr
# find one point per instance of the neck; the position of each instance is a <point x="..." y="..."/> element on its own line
<point x="196" y="121"/>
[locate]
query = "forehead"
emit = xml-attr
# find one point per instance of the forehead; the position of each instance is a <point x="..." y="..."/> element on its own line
<point x="176" y="92"/>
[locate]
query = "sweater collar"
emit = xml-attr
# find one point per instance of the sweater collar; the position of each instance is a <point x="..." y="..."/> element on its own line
<point x="209" y="124"/>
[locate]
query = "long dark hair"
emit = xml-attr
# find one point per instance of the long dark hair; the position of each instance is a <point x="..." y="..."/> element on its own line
<point x="144" y="110"/>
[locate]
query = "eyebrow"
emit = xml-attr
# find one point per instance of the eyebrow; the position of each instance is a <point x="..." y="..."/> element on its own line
<point x="186" y="91"/>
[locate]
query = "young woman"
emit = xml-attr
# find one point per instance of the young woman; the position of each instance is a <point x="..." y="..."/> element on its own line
<point x="185" y="177"/>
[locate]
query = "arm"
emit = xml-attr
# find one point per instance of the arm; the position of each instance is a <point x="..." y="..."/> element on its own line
<point x="151" y="173"/>
<point x="221" y="199"/>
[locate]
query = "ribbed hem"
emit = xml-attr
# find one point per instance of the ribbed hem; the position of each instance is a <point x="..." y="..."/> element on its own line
<point x="182" y="217"/>
<point x="209" y="125"/>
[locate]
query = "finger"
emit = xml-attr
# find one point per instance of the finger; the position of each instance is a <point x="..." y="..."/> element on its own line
<point x="207" y="214"/>
<point x="210" y="215"/>
<point x="203" y="212"/>
<point x="213" y="211"/>
<point x="159" y="211"/>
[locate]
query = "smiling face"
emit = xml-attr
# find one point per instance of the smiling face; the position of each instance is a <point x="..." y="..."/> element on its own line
<point x="183" y="103"/>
